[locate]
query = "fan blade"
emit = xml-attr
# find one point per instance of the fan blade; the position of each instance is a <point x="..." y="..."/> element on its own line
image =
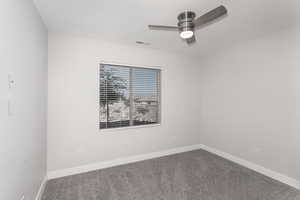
<point x="163" y="28"/>
<point x="191" y="40"/>
<point x="210" y="16"/>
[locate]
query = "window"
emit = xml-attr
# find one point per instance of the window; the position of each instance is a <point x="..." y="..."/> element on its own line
<point x="129" y="96"/>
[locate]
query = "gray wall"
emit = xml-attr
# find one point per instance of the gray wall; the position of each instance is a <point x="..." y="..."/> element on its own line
<point x="23" y="53"/>
<point x="250" y="101"/>
<point x="73" y="135"/>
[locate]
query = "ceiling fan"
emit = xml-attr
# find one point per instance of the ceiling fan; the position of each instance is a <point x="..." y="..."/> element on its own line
<point x="187" y="23"/>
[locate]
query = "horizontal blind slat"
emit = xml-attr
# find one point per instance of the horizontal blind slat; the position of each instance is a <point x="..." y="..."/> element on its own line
<point x="115" y="96"/>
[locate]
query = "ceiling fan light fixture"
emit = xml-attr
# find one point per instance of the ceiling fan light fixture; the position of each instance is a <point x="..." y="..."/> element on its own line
<point x="188" y="23"/>
<point x="186" y="34"/>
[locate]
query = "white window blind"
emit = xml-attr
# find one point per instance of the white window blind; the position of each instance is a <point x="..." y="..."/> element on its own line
<point x="129" y="96"/>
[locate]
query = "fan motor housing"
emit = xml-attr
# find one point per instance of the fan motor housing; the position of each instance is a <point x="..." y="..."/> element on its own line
<point x="185" y="21"/>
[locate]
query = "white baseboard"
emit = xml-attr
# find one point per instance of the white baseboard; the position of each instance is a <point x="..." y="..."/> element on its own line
<point x="121" y="161"/>
<point x="41" y="189"/>
<point x="262" y="170"/>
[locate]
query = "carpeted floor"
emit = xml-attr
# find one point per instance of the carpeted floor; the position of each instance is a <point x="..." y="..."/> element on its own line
<point x="195" y="175"/>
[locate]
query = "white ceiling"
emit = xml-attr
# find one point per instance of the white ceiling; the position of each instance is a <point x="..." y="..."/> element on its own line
<point x="125" y="21"/>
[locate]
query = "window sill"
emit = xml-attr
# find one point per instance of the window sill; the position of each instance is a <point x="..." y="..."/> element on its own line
<point x="128" y="128"/>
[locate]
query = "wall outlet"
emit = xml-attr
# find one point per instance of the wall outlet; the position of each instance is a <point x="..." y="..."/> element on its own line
<point x="256" y="150"/>
<point x="10" y="107"/>
<point x="23" y="197"/>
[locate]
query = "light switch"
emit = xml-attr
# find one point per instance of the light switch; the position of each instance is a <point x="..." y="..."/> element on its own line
<point x="11" y="81"/>
<point x="10" y="101"/>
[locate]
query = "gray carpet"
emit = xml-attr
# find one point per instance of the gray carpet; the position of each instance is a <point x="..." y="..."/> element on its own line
<point x="195" y="175"/>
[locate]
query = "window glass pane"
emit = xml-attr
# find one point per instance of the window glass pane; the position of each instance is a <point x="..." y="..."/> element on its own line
<point x="145" y="90"/>
<point x="114" y="96"/>
<point x="129" y="96"/>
